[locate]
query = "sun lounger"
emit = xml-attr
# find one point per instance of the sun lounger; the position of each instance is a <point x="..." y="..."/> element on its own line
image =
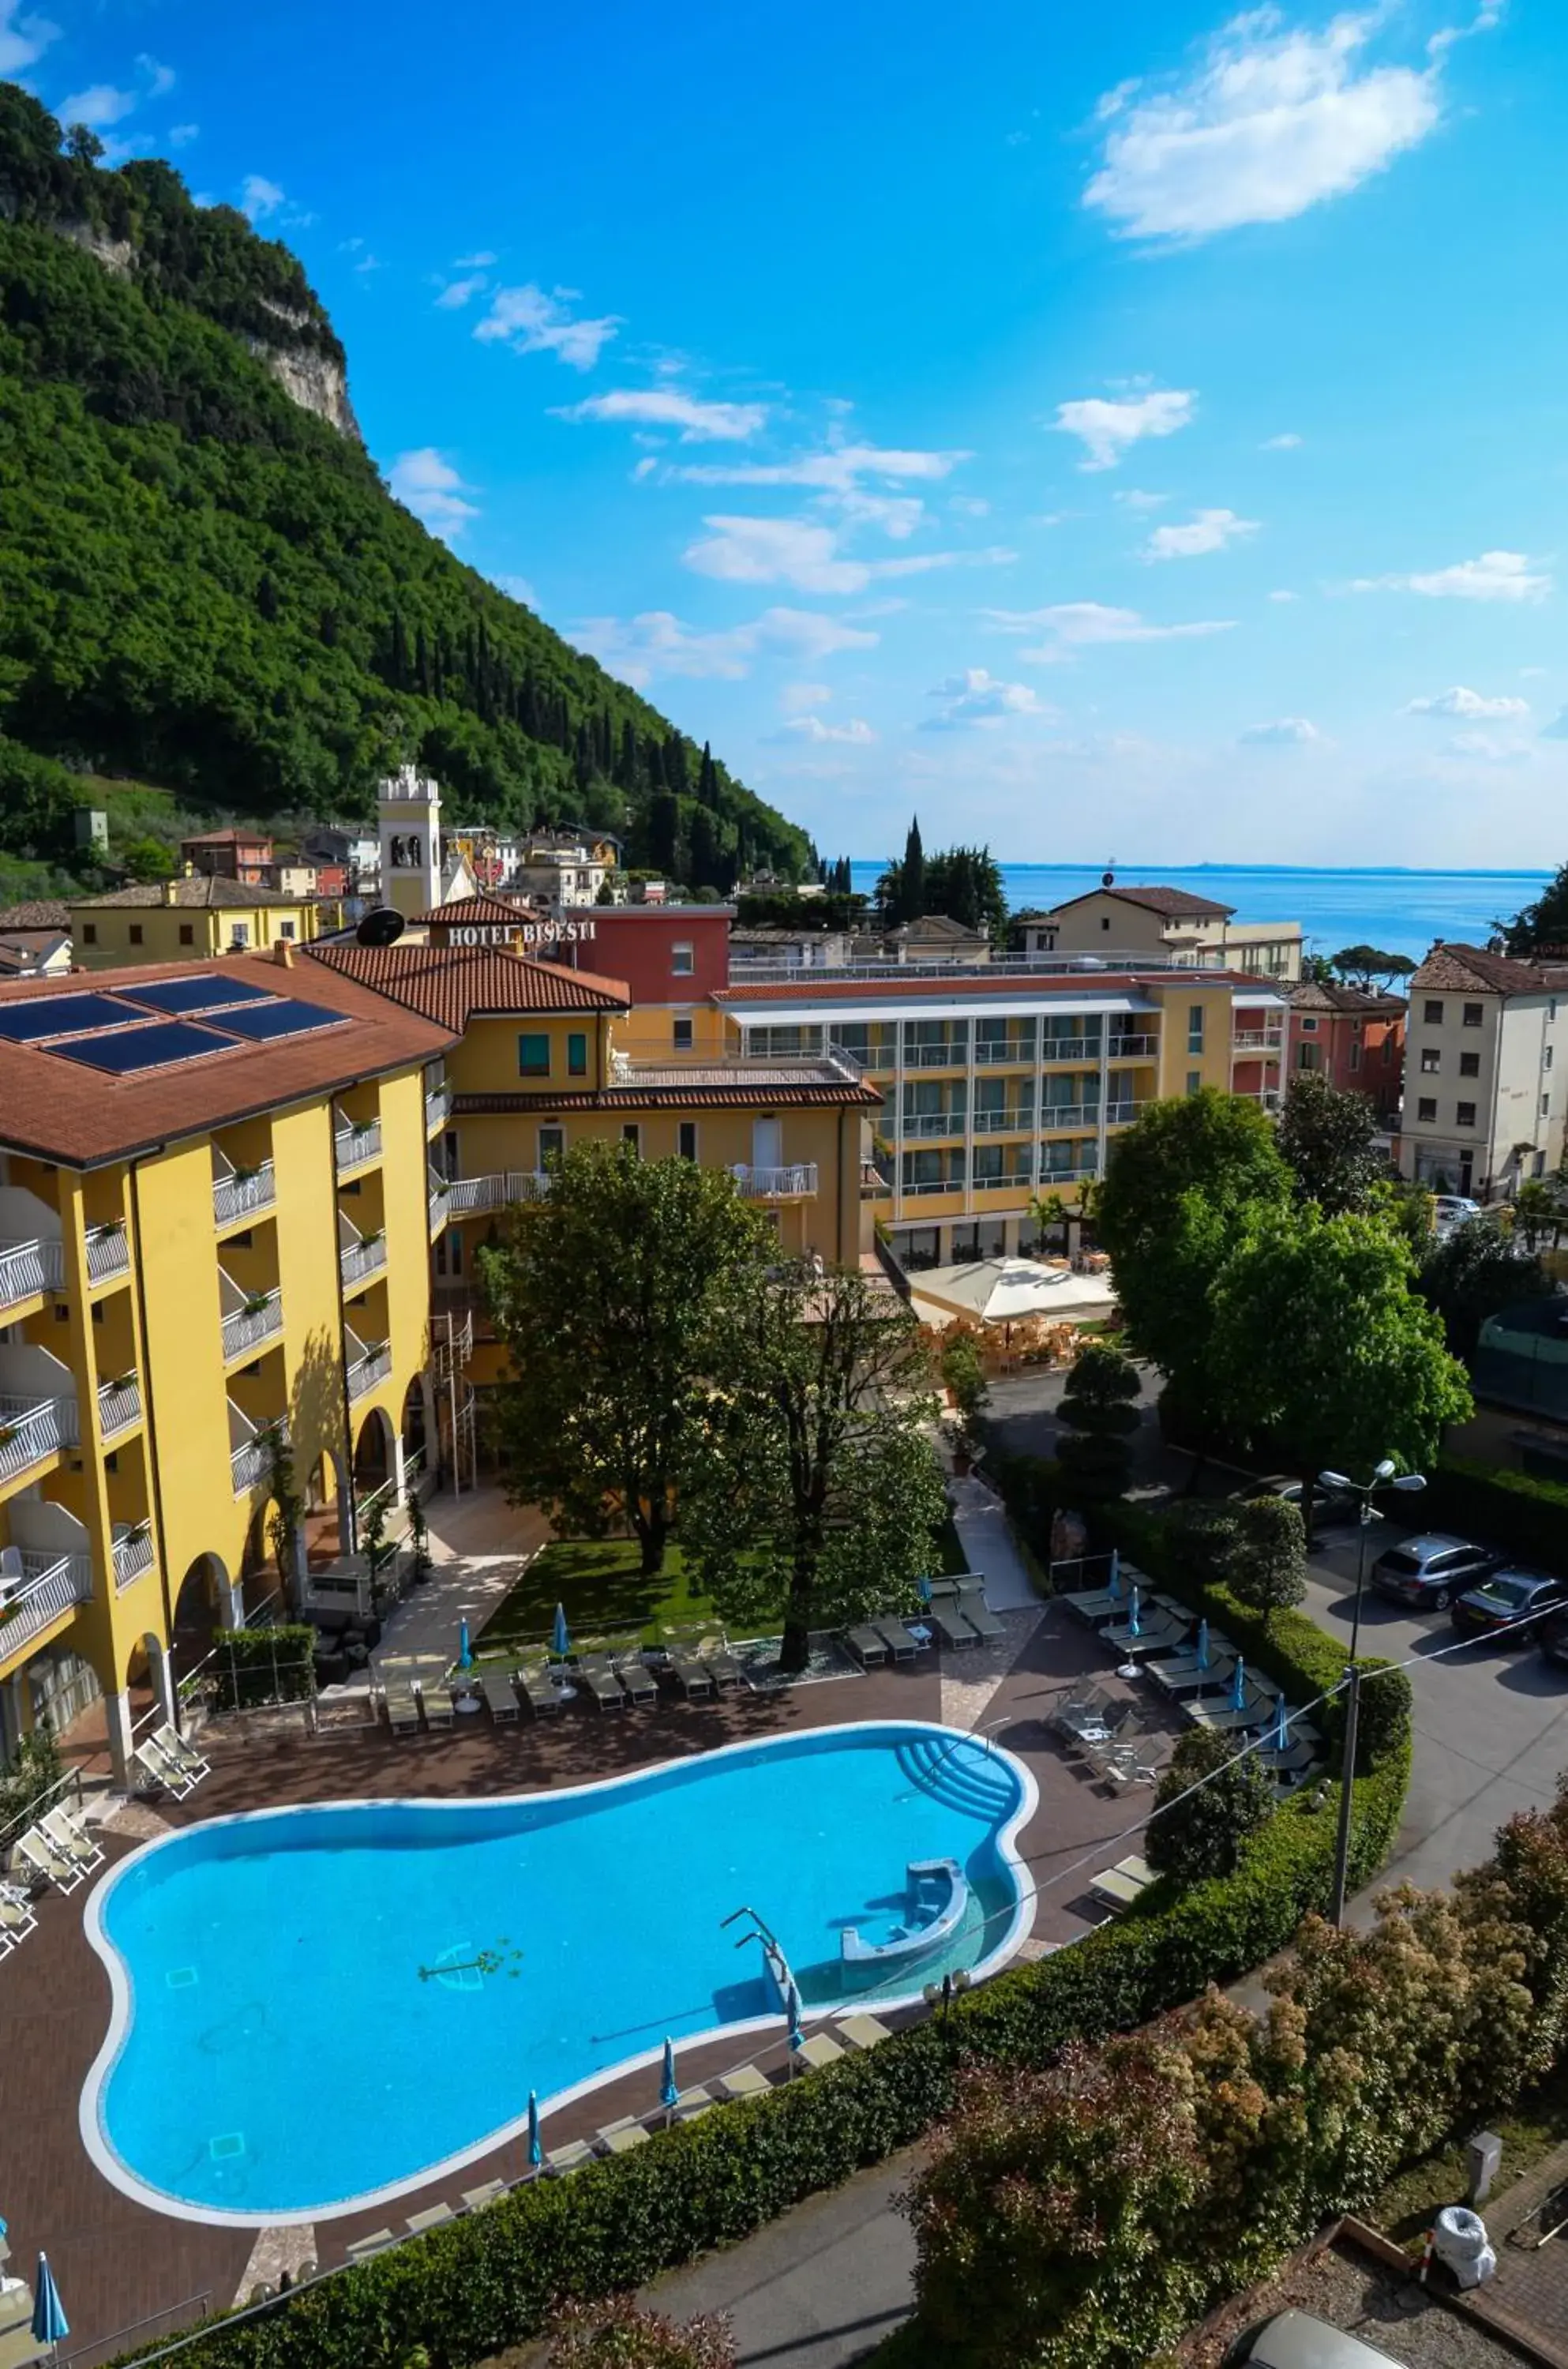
<point x="181" y="1751"/>
<point x="162" y="1770"/>
<point x="868" y="1647"/>
<point x="691" y="2103"/>
<point x="819" y="2049"/>
<point x="977" y="1613"/>
<point x="496" y="1693"/>
<point x="713" y="1651"/>
<point x="538" y="1693"/>
<point x="1116" y="1889"/>
<point x="1137" y="1869"/>
<point x="76" y="1841"/>
<point x="1183" y="1675"/>
<point x="952" y="1629"/>
<point x="1121" y="1764"/>
<point x="377" y="2242"/>
<point x="746" y="2081"/>
<point x="862" y="2030"/>
<point x="896" y="1639"/>
<point x="436" y="1697"/>
<point x="476" y="2200"/>
<point x="570" y="2157"/>
<point x="432" y="2218"/>
<point x="1095" y="1603"/>
<point x="1296" y="1759"/>
<point x="1088" y="1728"/>
<point x="18" y="1917"/>
<point x="638" y="1678"/>
<point x="620" y="2138"/>
<point x="1157" y="1633"/>
<point x="1221" y="1716"/>
<point x="401" y="1711"/>
<point x="602" y="1684"/>
<point x="693" y="1678"/>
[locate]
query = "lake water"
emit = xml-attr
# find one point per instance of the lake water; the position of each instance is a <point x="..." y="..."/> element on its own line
<point x="1403" y="911"/>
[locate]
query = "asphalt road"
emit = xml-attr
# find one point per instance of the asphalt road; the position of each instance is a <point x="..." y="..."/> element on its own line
<point x="1491" y="1719"/>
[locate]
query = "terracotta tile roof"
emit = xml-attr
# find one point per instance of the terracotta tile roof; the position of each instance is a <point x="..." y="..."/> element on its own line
<point x="1319" y="995"/>
<point x="453" y="985"/>
<point x="206" y="889"/>
<point x="483" y="906"/>
<point x="37" y="913"/>
<point x="1459" y="966"/>
<point x="63" y="1111"/>
<point x="1176" y="904"/>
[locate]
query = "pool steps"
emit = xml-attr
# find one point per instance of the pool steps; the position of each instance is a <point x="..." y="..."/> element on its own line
<point x="947" y="1771"/>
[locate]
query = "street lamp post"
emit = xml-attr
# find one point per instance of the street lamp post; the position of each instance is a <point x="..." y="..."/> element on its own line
<point x="1363" y="1491"/>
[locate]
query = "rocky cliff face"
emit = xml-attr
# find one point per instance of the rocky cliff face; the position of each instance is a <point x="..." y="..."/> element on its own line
<point x="313" y="380"/>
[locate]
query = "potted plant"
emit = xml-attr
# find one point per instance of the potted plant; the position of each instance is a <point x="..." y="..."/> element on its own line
<point x="256" y="1303"/>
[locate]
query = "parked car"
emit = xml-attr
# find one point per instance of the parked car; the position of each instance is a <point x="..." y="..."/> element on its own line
<point x="1328" y="1504"/>
<point x="1298" y="2340"/>
<point x="1553" y="1635"/>
<point x="1430" y="1570"/>
<point x="1451" y="1210"/>
<point x="1509" y="1602"/>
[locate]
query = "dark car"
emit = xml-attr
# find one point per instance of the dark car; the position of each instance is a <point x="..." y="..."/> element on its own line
<point x="1553" y="1635"/>
<point x="1328" y="1504"/>
<point x="1429" y="1571"/>
<point x="1511" y="1603"/>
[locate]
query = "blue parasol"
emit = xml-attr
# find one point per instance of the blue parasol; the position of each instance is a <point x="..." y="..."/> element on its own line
<point x="535" y="2149"/>
<point x="668" y="2088"/>
<point x="49" y="2323"/>
<point x="797" y="2037"/>
<point x="465" y="1647"/>
<point x="560" y="1635"/>
<point x="924" y="1585"/>
<point x="1114" y="1585"/>
<point x="1239" y="1686"/>
<point x="1134" y="1625"/>
<point x="1203" y="1644"/>
<point x="1281" y="1724"/>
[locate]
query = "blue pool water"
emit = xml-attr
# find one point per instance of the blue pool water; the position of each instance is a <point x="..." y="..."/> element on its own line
<point x="315" y="2006"/>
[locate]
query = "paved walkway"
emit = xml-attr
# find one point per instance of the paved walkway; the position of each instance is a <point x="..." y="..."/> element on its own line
<point x="986" y="1536"/>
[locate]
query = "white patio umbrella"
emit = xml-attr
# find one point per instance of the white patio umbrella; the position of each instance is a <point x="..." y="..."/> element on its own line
<point x="1022" y="1288"/>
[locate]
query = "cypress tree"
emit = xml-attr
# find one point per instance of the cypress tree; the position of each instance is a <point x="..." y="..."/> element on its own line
<point x="267" y="599"/>
<point x="911" y="901"/>
<point x="708" y="779"/>
<point x="627" y="763"/>
<point x="397" y="662"/>
<point x="421" y="662"/>
<point x="675" y="774"/>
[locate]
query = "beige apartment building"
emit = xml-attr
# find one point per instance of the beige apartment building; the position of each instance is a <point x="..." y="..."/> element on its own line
<point x="1484" y="1091"/>
<point x="1114" y="921"/>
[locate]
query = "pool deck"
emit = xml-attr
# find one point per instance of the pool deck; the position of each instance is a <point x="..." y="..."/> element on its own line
<point x="119" y="2263"/>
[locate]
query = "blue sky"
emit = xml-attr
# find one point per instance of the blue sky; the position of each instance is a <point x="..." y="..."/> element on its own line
<point x="1133" y="431"/>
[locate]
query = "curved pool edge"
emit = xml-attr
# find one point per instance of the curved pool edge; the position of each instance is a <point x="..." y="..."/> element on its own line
<point x="105" y="2160"/>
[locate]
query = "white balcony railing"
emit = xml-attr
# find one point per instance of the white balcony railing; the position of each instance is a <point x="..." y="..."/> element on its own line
<point x="931" y="1184"/>
<point x="1068" y="1176"/>
<point x="120" y="1405"/>
<point x="1019" y="1121"/>
<point x="928" y="1122"/>
<point x="132" y="1552"/>
<point x="108" y="1253"/>
<point x="359" y="1260"/>
<point x="367" y="1365"/>
<point x="1016" y="1180"/>
<point x="1133" y="1048"/>
<point x="51" y="1585"/>
<point x="1017" y="1054"/>
<point x="797" y="1183"/>
<point x="1057" y="1050"/>
<point x="437" y="1108"/>
<point x="29" y="1267"/>
<point x="352" y="1146"/>
<point x="954" y="1054"/>
<point x="1123" y="1113"/>
<point x="471" y="1195"/>
<point x="244" y="1193"/>
<point x="1257" y="1040"/>
<point x="1069" y="1115"/>
<point x="1269" y="1096"/>
<point x="33" y="1429"/>
<point x="260" y="1319"/>
<point x="249" y="1464"/>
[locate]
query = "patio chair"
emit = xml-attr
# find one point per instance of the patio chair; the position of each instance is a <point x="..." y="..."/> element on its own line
<point x="713" y="1651"/>
<point x="178" y="1748"/>
<point x="1297" y="1757"/>
<point x="896" y="1639"/>
<point x="694" y="1677"/>
<point x="496" y="1693"/>
<point x="435" y="1697"/>
<point x="76" y="1841"/>
<point x="601" y="1682"/>
<point x="641" y="1684"/>
<point x="1219" y="1713"/>
<point x="17" y="1916"/>
<point x="1157" y="1633"/>
<point x="952" y="1629"/>
<point x="868" y="1646"/>
<point x="402" y="1711"/>
<point x="1137" y="1869"/>
<point x="746" y="2081"/>
<point x="1120" y="1765"/>
<point x="163" y="1771"/>
<point x="691" y="2103"/>
<point x="977" y="1613"/>
<point x="1088" y="1705"/>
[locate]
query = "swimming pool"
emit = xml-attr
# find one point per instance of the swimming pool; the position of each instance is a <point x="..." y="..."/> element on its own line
<point x="319" y="2008"/>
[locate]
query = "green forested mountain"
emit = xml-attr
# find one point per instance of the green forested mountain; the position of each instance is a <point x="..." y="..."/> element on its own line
<point x="205" y="586"/>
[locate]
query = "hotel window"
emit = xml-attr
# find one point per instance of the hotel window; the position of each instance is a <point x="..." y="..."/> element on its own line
<point x="681" y="1030"/>
<point x="285" y="929"/>
<point x="89" y="933"/>
<point x="1194" y="1028"/>
<point x="240" y="934"/>
<point x="1308" y="1026"/>
<point x="632" y="1137"/>
<point x="1473" y="1016"/>
<point x="1464" y="1114"/>
<point x="552" y="1144"/>
<point x="1470" y="1065"/>
<point x="533" y="1054"/>
<point x="1309" y="1056"/>
<point x="135" y="933"/>
<point x="686" y="1138"/>
<point x="1387" y="1049"/>
<point x="682" y="959"/>
<point x="1431" y="1060"/>
<point x="577" y="1054"/>
<point x="187" y="933"/>
<point x="1432" y="1014"/>
<point x="1355" y="1052"/>
<point x="1195" y="1081"/>
<point x="1427" y="1109"/>
<point x="1545" y="1059"/>
<point x="1546" y="1105"/>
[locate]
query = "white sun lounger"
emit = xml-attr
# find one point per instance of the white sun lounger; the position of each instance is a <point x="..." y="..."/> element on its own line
<point x="181" y="1751"/>
<point x="47" y="1859"/>
<point x="75" y="1840"/>
<point x="18" y="1917"/>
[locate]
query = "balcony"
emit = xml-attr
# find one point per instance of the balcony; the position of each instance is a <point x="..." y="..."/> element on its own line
<point x="1269" y="1096"/>
<point x="33" y="1596"/>
<point x="797" y="1183"/>
<point x="1017" y="1053"/>
<point x="1068" y="1176"/>
<point x="1123" y="1113"/>
<point x="1134" y="1049"/>
<point x="251" y="1448"/>
<point x="1071" y="1048"/>
<point x="955" y="1055"/>
<point x="132" y="1552"/>
<point x="239" y="1194"/>
<point x="468" y="1196"/>
<point x="438" y="1107"/>
<point x="33" y="1430"/>
<point x="1018" y="1121"/>
<point x="356" y="1144"/>
<point x="1258" y="1040"/>
<point x="931" y="1184"/>
<point x="255" y="1319"/>
<point x="361" y="1257"/>
<point x="924" y="1124"/>
<point x="436" y="1200"/>
<point x="366" y="1364"/>
<point x="120" y="1406"/>
<point x="1053" y="1115"/>
<point x="108" y="1253"/>
<point x="28" y="1268"/>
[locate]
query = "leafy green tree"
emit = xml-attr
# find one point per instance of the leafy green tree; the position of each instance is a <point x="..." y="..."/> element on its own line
<point x="147" y="859"/>
<point x="1541" y="926"/>
<point x="1319" y="969"/>
<point x="613" y="1296"/>
<point x="1210" y="1797"/>
<point x="1267" y="1561"/>
<point x="1471" y="1273"/>
<point x="966" y="884"/>
<point x="815" y="1488"/>
<point x="82" y="146"/>
<point x="1099" y="1415"/>
<point x="1318" y="1341"/>
<point x="1540" y="1211"/>
<point x="1326" y="1134"/>
<point x="1178" y="1186"/>
<point x="1369" y="967"/>
<point x="965" y="1376"/>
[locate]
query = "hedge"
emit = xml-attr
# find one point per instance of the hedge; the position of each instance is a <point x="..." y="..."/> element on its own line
<point x="1514" y="1510"/>
<point x="494" y="2279"/>
<point x="252" y="1666"/>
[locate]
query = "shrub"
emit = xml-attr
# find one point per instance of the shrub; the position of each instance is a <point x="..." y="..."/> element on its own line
<point x="264" y="1665"/>
<point x="1099" y="1409"/>
<point x="1202" y="1831"/>
<point x="34" y="1773"/>
<point x="963" y="1374"/>
<point x="1527" y="1518"/>
<point x="625" y="2337"/>
<point x="1267" y="1566"/>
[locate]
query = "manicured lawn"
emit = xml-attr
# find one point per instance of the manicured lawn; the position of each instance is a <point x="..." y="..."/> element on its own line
<point x="1528" y="2131"/>
<point x="603" y="1589"/>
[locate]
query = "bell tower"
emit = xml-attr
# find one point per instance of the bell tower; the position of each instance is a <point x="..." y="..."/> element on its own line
<point x="408" y="811"/>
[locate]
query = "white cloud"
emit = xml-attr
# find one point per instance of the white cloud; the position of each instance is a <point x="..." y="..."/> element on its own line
<point x="97" y="107"/>
<point x="657" y="643"/>
<point x="369" y="262"/>
<point x="658" y="406"/>
<point x="968" y="506"/>
<point x="1471" y="704"/>
<point x="519" y="587"/>
<point x="1089" y="625"/>
<point x="856" y="733"/>
<point x="1489" y="748"/>
<point x="805" y="554"/>
<point x="1495" y="576"/>
<point x="182" y="134"/>
<point x="1272" y="120"/>
<point x="1205" y="531"/>
<point x="1558" y="727"/>
<point x="797" y="696"/>
<point x="23" y="38"/>
<point x="532" y="322"/>
<point x="836" y="470"/>
<point x="1284" y="596"/>
<point x="1287" y="443"/>
<point x="458" y="292"/>
<point x="978" y="697"/>
<point x="1284" y="732"/>
<point x="425" y="482"/>
<point x="160" y="78"/>
<point x="1108" y="429"/>
<point x="480" y="262"/>
<point x="258" y="197"/>
<point x="1133" y="497"/>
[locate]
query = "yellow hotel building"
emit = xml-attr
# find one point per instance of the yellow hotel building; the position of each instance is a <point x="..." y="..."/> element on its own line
<point x="214" y="1222"/>
<point x="193" y="919"/>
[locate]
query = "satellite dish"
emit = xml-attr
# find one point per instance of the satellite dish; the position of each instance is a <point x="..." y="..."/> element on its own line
<point x="382" y="926"/>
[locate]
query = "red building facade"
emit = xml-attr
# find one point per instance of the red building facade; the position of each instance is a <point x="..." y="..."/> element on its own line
<point x="1355" y="1037"/>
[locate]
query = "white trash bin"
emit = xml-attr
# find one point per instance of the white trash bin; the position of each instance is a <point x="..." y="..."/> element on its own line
<point x="1461" y="2242"/>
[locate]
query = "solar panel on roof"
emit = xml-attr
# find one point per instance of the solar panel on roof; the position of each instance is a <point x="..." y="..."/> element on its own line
<point x="59" y="1015"/>
<point x="162" y="1044"/>
<point x="278" y="1016"/>
<point x="182" y="995"/>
